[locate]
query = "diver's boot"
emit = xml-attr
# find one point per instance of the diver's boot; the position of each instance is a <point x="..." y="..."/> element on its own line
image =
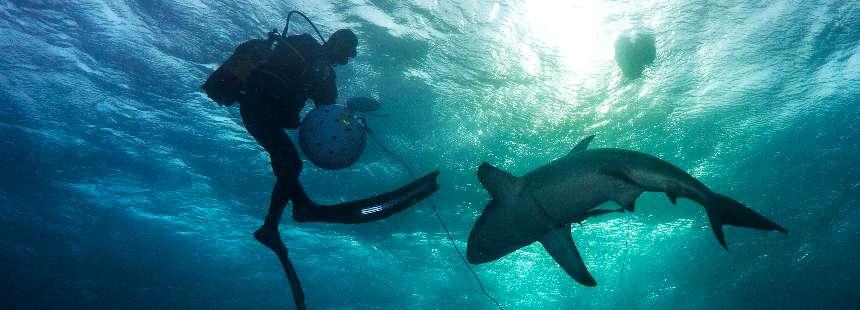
<point x="271" y="238"/>
<point x="303" y="213"/>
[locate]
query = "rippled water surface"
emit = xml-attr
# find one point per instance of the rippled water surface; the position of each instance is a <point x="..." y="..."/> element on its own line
<point x="123" y="187"/>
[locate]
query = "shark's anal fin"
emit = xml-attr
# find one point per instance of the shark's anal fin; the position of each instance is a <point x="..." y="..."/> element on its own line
<point x="672" y="197"/>
<point x="582" y="145"/>
<point x="629" y="206"/>
<point x="626" y="190"/>
<point x="627" y="198"/>
<point x="559" y="244"/>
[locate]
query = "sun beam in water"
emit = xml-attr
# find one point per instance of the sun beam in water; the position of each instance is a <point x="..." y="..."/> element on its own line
<point x="578" y="40"/>
<point x="575" y="30"/>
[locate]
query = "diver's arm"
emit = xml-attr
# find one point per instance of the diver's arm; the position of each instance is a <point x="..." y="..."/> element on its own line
<point x="323" y="90"/>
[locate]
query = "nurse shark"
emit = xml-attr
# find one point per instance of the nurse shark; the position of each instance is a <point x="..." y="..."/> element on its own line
<point x="541" y="205"/>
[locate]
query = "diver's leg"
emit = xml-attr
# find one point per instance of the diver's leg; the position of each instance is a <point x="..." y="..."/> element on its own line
<point x="286" y="165"/>
<point x="268" y="233"/>
<point x="286" y="188"/>
<point x="264" y="126"/>
<point x="280" y="197"/>
<point x="259" y="114"/>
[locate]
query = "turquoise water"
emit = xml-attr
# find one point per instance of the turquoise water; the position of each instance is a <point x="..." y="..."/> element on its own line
<point x="123" y="186"/>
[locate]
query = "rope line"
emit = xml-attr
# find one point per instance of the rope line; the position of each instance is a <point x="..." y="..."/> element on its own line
<point x="623" y="265"/>
<point x="439" y="217"/>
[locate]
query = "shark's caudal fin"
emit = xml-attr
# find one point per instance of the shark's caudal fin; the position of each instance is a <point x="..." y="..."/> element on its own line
<point x="559" y="244"/>
<point x="723" y="210"/>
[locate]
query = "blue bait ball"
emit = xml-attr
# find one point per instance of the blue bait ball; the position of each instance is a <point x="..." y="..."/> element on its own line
<point x="331" y="137"/>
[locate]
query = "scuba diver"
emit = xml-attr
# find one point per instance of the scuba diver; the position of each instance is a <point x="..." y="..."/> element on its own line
<point x="271" y="79"/>
<point x="275" y="91"/>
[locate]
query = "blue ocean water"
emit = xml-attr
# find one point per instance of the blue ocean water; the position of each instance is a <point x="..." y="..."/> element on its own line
<point x="123" y="187"/>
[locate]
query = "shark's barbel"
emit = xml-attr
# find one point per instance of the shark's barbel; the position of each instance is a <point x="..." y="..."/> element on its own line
<point x="541" y="205"/>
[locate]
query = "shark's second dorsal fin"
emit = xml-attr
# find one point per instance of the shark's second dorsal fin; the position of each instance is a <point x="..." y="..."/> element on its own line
<point x="559" y="244"/>
<point x="582" y="145"/>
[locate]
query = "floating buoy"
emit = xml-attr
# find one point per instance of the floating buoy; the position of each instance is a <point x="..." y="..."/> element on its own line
<point x="634" y="51"/>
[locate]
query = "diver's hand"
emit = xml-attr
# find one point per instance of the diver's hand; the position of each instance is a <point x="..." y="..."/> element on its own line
<point x="292" y="121"/>
<point x="363" y="104"/>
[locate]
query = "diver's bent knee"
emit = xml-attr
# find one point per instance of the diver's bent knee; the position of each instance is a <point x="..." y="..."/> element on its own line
<point x="298" y="166"/>
<point x="286" y="173"/>
<point x="282" y="167"/>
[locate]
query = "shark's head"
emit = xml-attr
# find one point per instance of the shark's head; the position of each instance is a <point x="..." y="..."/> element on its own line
<point x="495" y="181"/>
<point x="506" y="189"/>
<point x="514" y="218"/>
<point x="504" y="226"/>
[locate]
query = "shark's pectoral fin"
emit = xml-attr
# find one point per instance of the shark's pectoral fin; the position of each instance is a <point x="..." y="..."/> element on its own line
<point x="559" y="244"/>
<point x="598" y="212"/>
<point x="494" y="235"/>
<point x="582" y="145"/>
<point x="593" y="213"/>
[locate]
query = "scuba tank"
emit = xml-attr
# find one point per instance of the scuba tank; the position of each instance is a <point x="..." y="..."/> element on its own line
<point x="225" y="85"/>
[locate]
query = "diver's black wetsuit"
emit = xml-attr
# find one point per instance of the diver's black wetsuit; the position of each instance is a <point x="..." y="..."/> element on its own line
<point x="275" y="93"/>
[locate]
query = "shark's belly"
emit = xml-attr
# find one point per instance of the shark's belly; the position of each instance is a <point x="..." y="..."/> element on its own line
<point x="568" y="196"/>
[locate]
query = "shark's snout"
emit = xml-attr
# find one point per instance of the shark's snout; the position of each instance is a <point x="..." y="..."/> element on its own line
<point x="473" y="256"/>
<point x="482" y="169"/>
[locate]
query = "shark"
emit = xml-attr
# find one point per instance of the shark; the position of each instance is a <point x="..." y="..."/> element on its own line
<point x="541" y="205"/>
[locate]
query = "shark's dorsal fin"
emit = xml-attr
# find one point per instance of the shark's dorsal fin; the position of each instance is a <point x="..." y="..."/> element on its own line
<point x="559" y="244"/>
<point x="582" y="145"/>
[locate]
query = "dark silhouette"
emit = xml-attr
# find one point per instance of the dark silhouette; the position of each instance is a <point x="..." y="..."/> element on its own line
<point x="634" y="52"/>
<point x="541" y="205"/>
<point x="272" y="79"/>
<point x="298" y="69"/>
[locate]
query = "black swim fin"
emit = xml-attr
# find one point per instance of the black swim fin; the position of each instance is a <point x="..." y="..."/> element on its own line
<point x="371" y="209"/>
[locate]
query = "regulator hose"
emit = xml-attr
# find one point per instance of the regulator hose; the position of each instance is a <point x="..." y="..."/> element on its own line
<point x="287" y="26"/>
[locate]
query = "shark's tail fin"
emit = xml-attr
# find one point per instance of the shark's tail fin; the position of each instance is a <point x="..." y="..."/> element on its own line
<point x="723" y="210"/>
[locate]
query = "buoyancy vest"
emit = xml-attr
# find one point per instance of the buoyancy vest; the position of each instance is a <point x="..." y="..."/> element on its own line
<point x="225" y="85"/>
